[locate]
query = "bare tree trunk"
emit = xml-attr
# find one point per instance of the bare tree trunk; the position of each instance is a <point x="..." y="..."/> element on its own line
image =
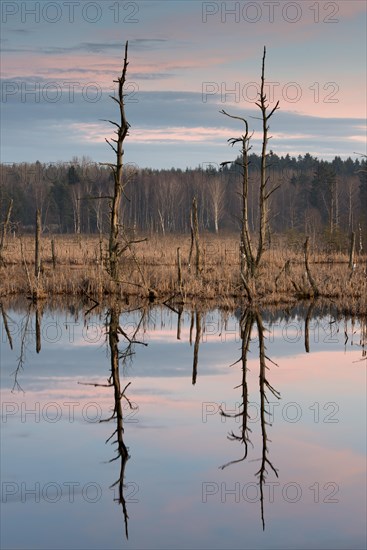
<point x="179" y="270"/>
<point x="216" y="215"/>
<point x="192" y="240"/>
<point x="215" y="200"/>
<point x="37" y="251"/>
<point x="5" y="228"/>
<point x="53" y="253"/>
<point x="247" y="258"/>
<point x="350" y="210"/>
<point x="249" y="261"/>
<point x="30" y="286"/>
<point x="264" y="193"/>
<point x="308" y="272"/>
<point x="196" y="235"/>
<point x="336" y="203"/>
<point x="76" y="211"/>
<point x="161" y="219"/>
<point x="117" y="170"/>
<point x="246" y="244"/>
<point x="351" y="250"/>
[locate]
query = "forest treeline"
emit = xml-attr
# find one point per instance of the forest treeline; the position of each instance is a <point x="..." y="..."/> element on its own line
<point x="316" y="197"/>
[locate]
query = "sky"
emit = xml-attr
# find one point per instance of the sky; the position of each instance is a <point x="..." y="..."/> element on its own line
<point x="188" y="60"/>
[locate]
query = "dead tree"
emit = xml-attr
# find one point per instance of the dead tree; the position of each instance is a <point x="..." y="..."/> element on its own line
<point x="179" y="270"/>
<point x="4" y="230"/>
<point x="250" y="255"/>
<point x="53" y="253"/>
<point x="194" y="223"/>
<point x="120" y="180"/>
<point x="310" y="278"/>
<point x="37" y="247"/>
<point x="265" y="192"/>
<point x="114" y="251"/>
<point x="351" y="250"/>
<point x="247" y="256"/>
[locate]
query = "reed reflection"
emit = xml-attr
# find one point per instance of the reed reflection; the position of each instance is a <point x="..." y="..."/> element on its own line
<point x="249" y="319"/>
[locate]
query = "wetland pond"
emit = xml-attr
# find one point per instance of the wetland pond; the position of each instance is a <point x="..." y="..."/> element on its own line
<point x="168" y="428"/>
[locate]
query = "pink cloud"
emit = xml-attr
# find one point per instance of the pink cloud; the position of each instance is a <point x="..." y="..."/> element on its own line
<point x="96" y="133"/>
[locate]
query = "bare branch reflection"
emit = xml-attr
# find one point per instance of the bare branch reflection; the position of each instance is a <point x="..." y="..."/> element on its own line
<point x="248" y="319"/>
<point x="196" y="346"/>
<point x="122" y="451"/>
<point x="120" y="357"/>
<point x="6" y="325"/>
<point x="246" y="324"/>
<point x="179" y="321"/>
<point x="27" y="337"/>
<point x="22" y="353"/>
<point x="363" y="339"/>
<point x="38" y="327"/>
<point x="307" y="325"/>
<point x="264" y="385"/>
<point x="117" y="356"/>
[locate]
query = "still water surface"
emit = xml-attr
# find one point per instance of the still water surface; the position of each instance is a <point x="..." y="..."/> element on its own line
<point x="226" y="432"/>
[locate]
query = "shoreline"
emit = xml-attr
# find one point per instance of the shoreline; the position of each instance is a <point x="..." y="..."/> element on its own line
<point x="75" y="269"/>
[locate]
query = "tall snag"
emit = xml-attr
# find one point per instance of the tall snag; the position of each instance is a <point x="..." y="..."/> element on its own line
<point x="194" y="224"/>
<point x="123" y="126"/>
<point x="250" y="255"/>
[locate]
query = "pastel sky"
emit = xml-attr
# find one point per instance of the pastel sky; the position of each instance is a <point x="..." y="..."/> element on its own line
<point x="187" y="61"/>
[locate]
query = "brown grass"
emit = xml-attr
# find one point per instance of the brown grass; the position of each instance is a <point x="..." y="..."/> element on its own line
<point x="79" y="271"/>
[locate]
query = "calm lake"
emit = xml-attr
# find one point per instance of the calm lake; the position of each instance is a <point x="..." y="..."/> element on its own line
<point x="239" y="430"/>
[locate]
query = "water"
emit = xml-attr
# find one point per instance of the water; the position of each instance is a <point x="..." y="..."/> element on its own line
<point x="181" y="418"/>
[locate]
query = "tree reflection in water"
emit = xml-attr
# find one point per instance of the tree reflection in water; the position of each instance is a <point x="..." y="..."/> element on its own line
<point x="120" y="356"/>
<point x="249" y="319"/>
<point x="122" y="348"/>
<point x="26" y="333"/>
<point x="198" y="331"/>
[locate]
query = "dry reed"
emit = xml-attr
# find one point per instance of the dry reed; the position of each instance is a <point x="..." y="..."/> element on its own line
<point x="80" y="270"/>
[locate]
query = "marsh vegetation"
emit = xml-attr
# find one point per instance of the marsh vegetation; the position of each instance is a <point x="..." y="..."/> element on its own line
<point x="75" y="266"/>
